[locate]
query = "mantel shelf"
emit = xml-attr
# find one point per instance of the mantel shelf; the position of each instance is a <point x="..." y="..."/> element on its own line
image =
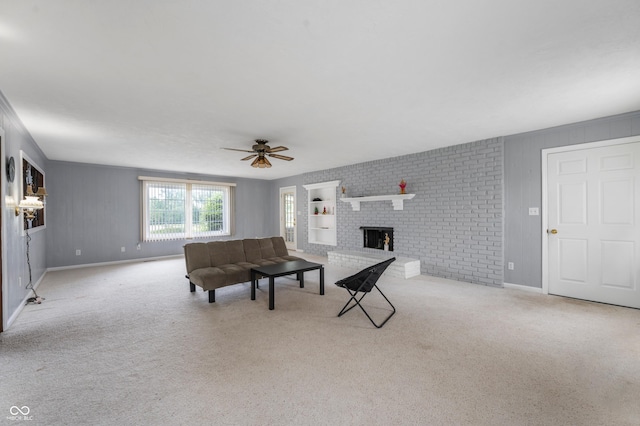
<point x="397" y="200"/>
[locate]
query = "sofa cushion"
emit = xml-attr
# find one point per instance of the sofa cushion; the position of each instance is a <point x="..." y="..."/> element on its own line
<point x="277" y="259"/>
<point x="218" y="253"/>
<point x="196" y="256"/>
<point x="279" y="247"/>
<point x="266" y="248"/>
<point x="235" y="273"/>
<point x="264" y="262"/>
<point x="246" y="265"/>
<point x="281" y="250"/>
<point x="235" y="248"/>
<point x="287" y="258"/>
<point x="252" y="250"/>
<point x="208" y="278"/>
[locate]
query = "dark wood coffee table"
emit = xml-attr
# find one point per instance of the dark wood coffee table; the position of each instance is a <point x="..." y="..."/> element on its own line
<point x="298" y="267"/>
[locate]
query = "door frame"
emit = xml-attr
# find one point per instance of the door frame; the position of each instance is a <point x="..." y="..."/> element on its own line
<point x="4" y="311"/>
<point x="545" y="201"/>
<point x="295" y="213"/>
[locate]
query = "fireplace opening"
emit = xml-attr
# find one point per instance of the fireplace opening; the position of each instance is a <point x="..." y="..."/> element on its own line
<point x="375" y="236"/>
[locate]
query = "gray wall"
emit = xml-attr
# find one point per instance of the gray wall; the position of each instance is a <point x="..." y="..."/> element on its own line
<point x="15" y="271"/>
<point x="523" y="187"/>
<point x="97" y="209"/>
<point x="454" y="223"/>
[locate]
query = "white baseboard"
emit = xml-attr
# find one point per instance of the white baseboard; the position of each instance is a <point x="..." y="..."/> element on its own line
<point x="115" y="262"/>
<point x="523" y="288"/>
<point x="16" y="313"/>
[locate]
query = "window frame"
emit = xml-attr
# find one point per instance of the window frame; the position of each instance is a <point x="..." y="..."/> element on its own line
<point x="228" y="209"/>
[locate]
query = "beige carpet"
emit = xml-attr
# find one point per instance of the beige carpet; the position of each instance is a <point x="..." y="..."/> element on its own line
<point x="129" y="344"/>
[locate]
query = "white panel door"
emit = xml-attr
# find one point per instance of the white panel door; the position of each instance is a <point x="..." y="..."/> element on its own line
<point x="594" y="224"/>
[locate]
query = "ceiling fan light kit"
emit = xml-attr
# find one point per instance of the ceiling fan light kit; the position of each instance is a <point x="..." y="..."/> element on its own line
<point x="261" y="163"/>
<point x="259" y="151"/>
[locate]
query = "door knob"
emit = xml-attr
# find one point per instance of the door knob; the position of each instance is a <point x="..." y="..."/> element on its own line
<point x="553" y="231"/>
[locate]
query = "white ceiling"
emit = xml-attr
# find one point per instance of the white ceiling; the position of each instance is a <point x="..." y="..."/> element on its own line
<point x="165" y="84"/>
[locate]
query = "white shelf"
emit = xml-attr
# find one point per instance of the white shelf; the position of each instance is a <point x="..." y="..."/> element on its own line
<point x="322" y="227"/>
<point x="396" y="200"/>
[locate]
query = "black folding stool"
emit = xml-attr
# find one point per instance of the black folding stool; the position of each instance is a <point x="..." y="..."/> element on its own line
<point x="363" y="282"/>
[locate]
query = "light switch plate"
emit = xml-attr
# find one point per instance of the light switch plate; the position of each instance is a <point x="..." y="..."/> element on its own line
<point x="534" y="211"/>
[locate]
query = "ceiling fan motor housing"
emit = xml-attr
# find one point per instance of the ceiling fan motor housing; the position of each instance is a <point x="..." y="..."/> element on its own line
<point x="261" y="145"/>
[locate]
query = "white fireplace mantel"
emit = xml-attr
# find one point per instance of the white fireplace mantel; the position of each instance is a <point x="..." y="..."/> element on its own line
<point x="397" y="200"/>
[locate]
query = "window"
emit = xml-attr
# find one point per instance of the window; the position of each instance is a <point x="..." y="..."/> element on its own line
<point x="180" y="209"/>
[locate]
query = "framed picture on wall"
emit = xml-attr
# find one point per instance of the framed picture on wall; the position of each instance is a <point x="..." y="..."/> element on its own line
<point x="32" y="177"/>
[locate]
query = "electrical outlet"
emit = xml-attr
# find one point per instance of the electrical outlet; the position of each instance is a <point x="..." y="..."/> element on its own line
<point x="510" y="266"/>
<point x="78" y="252"/>
<point x="122" y="249"/>
<point x="19" y="281"/>
<point x="138" y="247"/>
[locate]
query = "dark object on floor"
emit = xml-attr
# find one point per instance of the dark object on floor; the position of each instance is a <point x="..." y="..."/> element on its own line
<point x="363" y="282"/>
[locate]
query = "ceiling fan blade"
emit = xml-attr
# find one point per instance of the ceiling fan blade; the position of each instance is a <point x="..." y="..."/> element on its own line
<point x="280" y="157"/>
<point x="241" y="150"/>
<point x="277" y="149"/>
<point x="260" y="151"/>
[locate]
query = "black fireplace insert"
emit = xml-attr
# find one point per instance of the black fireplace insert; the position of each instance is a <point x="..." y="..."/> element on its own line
<point x="375" y="236"/>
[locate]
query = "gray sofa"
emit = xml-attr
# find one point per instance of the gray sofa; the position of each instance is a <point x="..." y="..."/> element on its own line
<point x="221" y="263"/>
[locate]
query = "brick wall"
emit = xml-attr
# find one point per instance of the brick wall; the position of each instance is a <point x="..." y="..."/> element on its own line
<point x="454" y="223"/>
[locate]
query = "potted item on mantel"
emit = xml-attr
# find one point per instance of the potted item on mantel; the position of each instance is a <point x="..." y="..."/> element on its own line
<point x="403" y="185"/>
<point x="315" y="211"/>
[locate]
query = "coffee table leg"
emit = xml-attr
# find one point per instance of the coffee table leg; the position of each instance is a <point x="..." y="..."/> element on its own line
<point x="271" y="294"/>
<point x="301" y="278"/>
<point x="322" y="280"/>
<point x="253" y="285"/>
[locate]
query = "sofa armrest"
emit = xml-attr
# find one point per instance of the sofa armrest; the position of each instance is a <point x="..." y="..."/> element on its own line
<point x="196" y="256"/>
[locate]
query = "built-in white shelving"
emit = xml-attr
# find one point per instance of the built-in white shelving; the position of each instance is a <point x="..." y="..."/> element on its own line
<point x="397" y="200"/>
<point x="322" y="214"/>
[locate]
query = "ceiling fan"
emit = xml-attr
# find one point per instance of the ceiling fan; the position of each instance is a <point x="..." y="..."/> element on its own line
<point x="260" y="150"/>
